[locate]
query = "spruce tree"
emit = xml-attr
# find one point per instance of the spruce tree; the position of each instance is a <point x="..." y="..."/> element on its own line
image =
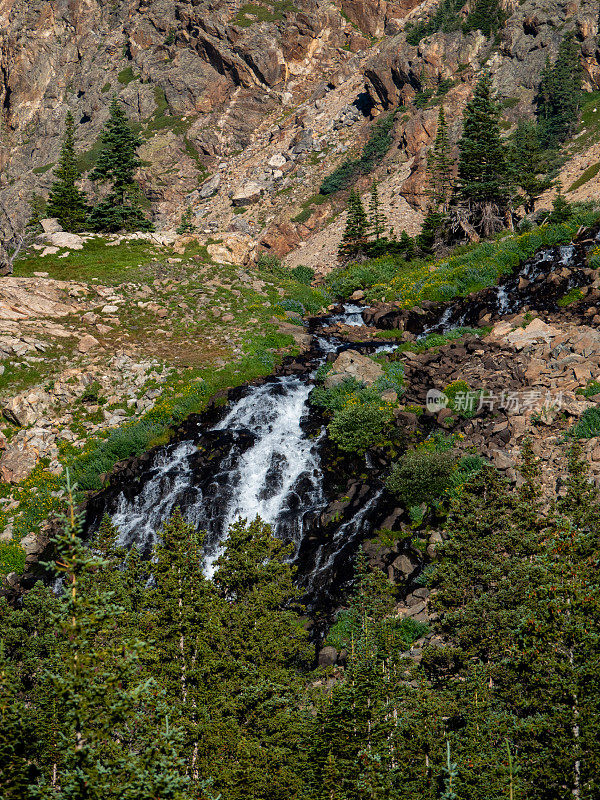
<point x="117" y="163"/>
<point x="354" y="239"/>
<point x="486" y="16"/>
<point x="376" y="218"/>
<point x="178" y="617"/>
<point x="561" y="208"/>
<point x="115" y="740"/>
<point x="66" y="202"/>
<point x="559" y="95"/>
<point x="527" y="163"/>
<point x="482" y="167"/>
<point x="426" y="239"/>
<point x="440" y="166"/>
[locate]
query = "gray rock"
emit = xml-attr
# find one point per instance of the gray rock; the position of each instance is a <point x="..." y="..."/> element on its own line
<point x="51" y="225"/>
<point x="210" y="187"/>
<point x="328" y="656"/>
<point x="247" y="195"/>
<point x="277" y="161"/>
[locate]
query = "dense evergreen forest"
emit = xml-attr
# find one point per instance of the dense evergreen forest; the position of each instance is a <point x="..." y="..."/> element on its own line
<point x="147" y="679"/>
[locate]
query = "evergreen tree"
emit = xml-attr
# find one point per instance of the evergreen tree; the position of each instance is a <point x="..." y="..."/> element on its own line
<point x="440" y="166"/>
<point x="354" y="239"/>
<point x="486" y="16"/>
<point x="432" y="223"/>
<point x="186" y="225"/>
<point x="561" y="208"/>
<point x="482" y="168"/>
<point x="180" y="620"/>
<point x="117" y="163"/>
<point x="115" y="740"/>
<point x="376" y="218"/>
<point x="528" y="164"/>
<point x="559" y="95"/>
<point x="66" y="202"/>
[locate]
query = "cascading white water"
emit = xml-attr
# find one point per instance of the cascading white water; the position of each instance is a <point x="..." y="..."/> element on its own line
<point x="351" y="315"/>
<point x="139" y="519"/>
<point x="265" y="479"/>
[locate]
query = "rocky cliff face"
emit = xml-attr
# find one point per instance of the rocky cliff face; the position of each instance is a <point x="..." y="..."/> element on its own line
<point x="250" y="106"/>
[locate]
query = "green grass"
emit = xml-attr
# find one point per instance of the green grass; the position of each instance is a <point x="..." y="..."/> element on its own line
<point x="468" y="269"/>
<point x="573" y="296"/>
<point x="161" y="120"/>
<point x="585" y="176"/>
<point x="434" y="340"/>
<point x="109" y="265"/>
<point x="43" y="170"/>
<point x="251" y="13"/>
<point x="126" y="76"/>
<point x="308" y="207"/>
<point x="589" y="127"/>
<point x="18" y="375"/>
<point x="588" y="425"/>
<point x="12" y="557"/>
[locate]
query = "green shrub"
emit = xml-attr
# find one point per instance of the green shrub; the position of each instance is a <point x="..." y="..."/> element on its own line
<point x="420" y="477"/>
<point x="303" y="274"/>
<point x="355" y="428"/>
<point x="467" y="467"/>
<point x="337" y="397"/>
<point x="590" y="390"/>
<point x="91" y="393"/>
<point x="393" y="377"/>
<point x="587" y="426"/>
<point x="399" y="633"/>
<point x="378" y="144"/>
<point x="343" y="282"/>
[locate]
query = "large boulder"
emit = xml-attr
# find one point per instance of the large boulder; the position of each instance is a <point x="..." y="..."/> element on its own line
<point x="16" y="465"/>
<point x="536" y="331"/>
<point x="351" y="364"/>
<point x="51" y="225"/>
<point x="247" y="195"/>
<point x="61" y="239"/>
<point x="25" y="408"/>
<point x="233" y="249"/>
<point x="210" y="187"/>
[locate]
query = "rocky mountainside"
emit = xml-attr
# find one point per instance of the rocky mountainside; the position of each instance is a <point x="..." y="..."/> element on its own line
<point x="244" y="109"/>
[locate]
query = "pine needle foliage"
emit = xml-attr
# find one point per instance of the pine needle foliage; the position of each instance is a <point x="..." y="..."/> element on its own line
<point x="66" y="202"/>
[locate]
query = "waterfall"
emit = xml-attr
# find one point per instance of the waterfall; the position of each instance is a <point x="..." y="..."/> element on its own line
<point x="277" y="477"/>
<point x="269" y="466"/>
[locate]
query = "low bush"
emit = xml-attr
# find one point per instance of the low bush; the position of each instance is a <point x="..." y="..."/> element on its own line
<point x="592" y="388"/>
<point x="393" y="377"/>
<point x="378" y="144"/>
<point x="587" y="426"/>
<point x="355" y="428"/>
<point x="421" y="477"/>
<point x="303" y="274"/>
<point x="468" y="466"/>
<point x="335" y="398"/>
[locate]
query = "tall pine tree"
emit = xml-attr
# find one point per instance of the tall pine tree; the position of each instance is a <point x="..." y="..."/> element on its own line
<point x="440" y="166"/>
<point x="377" y="219"/>
<point x="482" y="167"/>
<point x="117" y="162"/>
<point x="66" y="202"/>
<point x="528" y="164"/>
<point x="559" y="95"/>
<point x="354" y="239"/>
